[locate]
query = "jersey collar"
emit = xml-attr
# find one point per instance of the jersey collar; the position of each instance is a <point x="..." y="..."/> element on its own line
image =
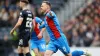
<point x="47" y="12"/>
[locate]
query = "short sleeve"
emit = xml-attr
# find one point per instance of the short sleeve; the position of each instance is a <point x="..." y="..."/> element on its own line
<point x="38" y="20"/>
<point x="48" y="14"/>
<point x="42" y="26"/>
<point x="21" y="15"/>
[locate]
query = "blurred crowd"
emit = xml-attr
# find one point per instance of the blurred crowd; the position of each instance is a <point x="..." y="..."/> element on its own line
<point x="8" y="13"/>
<point x="84" y="29"/>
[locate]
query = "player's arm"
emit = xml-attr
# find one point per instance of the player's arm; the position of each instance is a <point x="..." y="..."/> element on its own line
<point x="41" y="23"/>
<point x="41" y="32"/>
<point x="17" y="25"/>
<point x="20" y="20"/>
<point x="43" y="29"/>
<point x="42" y="26"/>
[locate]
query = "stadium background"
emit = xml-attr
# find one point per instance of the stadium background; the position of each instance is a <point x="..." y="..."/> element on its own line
<point x="79" y="19"/>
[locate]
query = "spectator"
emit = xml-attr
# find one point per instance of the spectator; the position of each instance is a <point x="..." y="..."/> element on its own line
<point x="96" y="41"/>
<point x="75" y="38"/>
<point x="4" y="15"/>
<point x="7" y="46"/>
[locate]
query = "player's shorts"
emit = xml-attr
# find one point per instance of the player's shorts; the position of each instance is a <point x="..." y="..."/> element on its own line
<point x="40" y="45"/>
<point x="61" y="44"/>
<point x="24" y="39"/>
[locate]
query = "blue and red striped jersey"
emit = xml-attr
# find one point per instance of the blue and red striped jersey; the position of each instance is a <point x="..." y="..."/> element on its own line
<point x="52" y="25"/>
<point x="36" y="30"/>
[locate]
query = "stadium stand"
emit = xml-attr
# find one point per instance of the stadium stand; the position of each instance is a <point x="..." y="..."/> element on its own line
<point x="85" y="27"/>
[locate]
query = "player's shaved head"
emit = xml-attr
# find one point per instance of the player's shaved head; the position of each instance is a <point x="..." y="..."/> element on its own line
<point x="25" y="1"/>
<point x="47" y="2"/>
<point x="45" y="6"/>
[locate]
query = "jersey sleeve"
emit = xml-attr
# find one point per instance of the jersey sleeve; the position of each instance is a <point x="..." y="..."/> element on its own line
<point x="42" y="26"/>
<point x="52" y="14"/>
<point x="38" y="20"/>
<point x="21" y="15"/>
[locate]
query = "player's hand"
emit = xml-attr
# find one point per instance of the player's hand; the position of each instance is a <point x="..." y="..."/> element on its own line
<point x="11" y="32"/>
<point x="39" y="36"/>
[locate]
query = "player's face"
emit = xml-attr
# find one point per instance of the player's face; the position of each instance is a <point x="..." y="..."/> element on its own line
<point x="21" y="4"/>
<point x="44" y="7"/>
